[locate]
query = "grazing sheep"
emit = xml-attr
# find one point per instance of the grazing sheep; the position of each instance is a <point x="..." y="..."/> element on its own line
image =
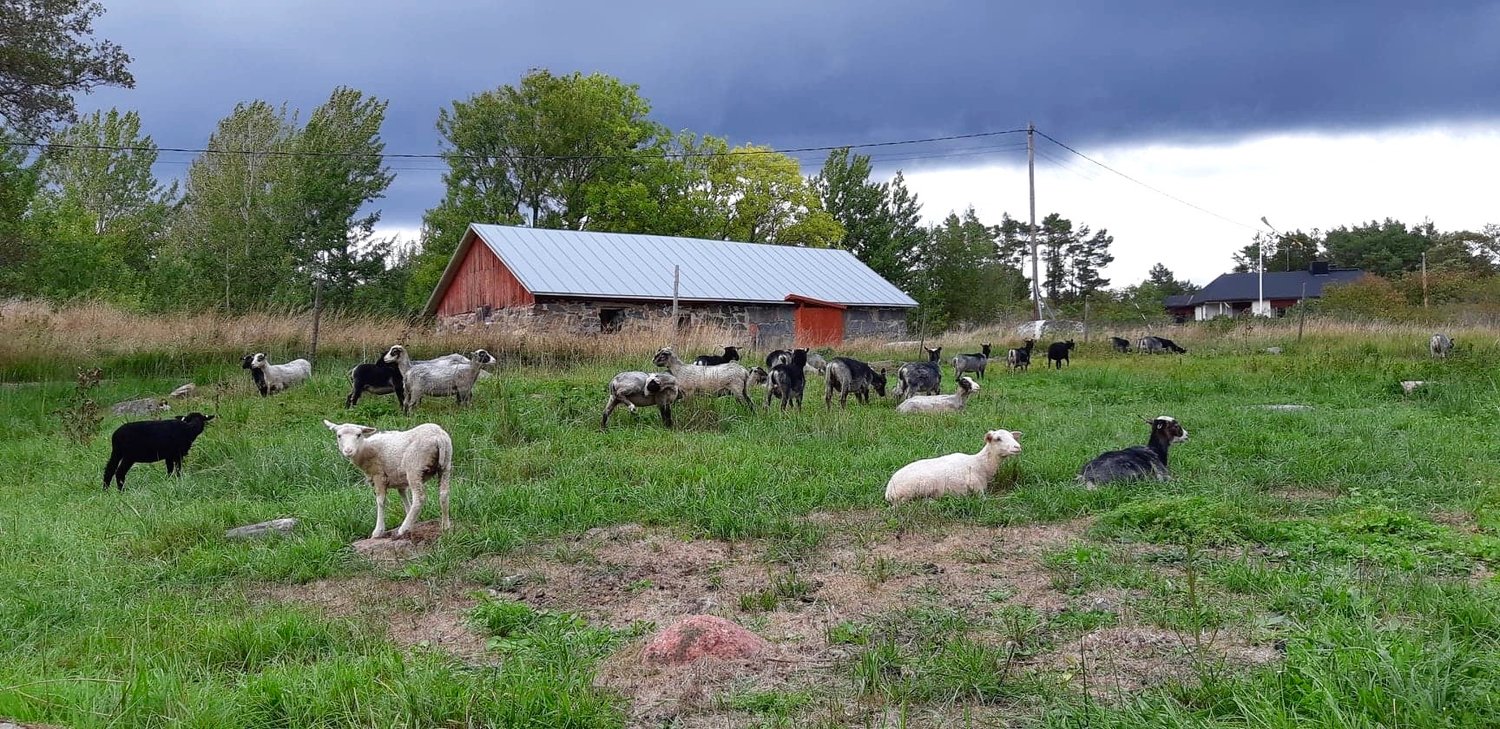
<point x="731" y="354"/>
<point x="403" y="460"/>
<point x="1440" y="345"/>
<point x="758" y="376"/>
<point x="1057" y="353"/>
<point x="1121" y="344"/>
<point x="1020" y="358"/>
<point x="789" y="380"/>
<point x="1152" y="344"/>
<point x="920" y="378"/>
<point x="272" y="378"/>
<point x="1170" y="345"/>
<point x="377" y="378"/>
<point x="149" y="441"/>
<point x="848" y="375"/>
<point x="953" y="474"/>
<point x="639" y="389"/>
<point x="694" y="380"/>
<point x="816" y="363"/>
<point x="1147" y="462"/>
<point x="451" y="375"/>
<point x="941" y="403"/>
<point x="972" y="362"/>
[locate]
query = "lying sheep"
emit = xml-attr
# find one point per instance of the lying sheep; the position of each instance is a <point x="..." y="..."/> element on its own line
<point x="696" y="380"/>
<point x="941" y="403"/>
<point x="972" y="362"/>
<point x="920" y="378"/>
<point x="448" y="376"/>
<point x="403" y="460"/>
<point x="1147" y="462"/>
<point x="953" y="474"/>
<point x="848" y="375"/>
<point x="377" y="378"/>
<point x="639" y="389"/>
<point x="149" y="441"/>
<point x="816" y="364"/>
<point x="789" y="380"/>
<point x="272" y="378"/>
<point x="731" y="354"/>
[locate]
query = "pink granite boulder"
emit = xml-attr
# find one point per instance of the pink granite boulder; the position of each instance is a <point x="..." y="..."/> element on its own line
<point x="699" y="637"/>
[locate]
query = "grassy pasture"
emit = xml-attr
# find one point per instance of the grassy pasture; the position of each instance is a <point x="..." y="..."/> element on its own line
<point x="1351" y="544"/>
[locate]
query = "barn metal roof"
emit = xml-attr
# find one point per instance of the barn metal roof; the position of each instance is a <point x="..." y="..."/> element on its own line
<point x="632" y="266"/>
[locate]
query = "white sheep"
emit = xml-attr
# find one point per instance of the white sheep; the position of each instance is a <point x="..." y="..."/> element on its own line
<point x="729" y="378"/>
<point x="450" y="375"/>
<point x="403" y="460"/>
<point x="956" y="473"/>
<point x="639" y="389"/>
<point x="941" y="403"/>
<point x="272" y="378"/>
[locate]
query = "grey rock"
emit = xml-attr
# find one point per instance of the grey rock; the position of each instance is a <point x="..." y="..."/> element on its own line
<point x="143" y="406"/>
<point x="265" y="528"/>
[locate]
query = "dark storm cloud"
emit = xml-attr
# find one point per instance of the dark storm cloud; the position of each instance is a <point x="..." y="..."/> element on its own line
<point x="796" y="73"/>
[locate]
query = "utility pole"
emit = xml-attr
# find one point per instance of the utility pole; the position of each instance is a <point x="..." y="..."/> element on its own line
<point x="1424" y="279"/>
<point x="1036" y="289"/>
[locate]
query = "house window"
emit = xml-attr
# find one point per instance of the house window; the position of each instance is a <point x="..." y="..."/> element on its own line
<point x="611" y="319"/>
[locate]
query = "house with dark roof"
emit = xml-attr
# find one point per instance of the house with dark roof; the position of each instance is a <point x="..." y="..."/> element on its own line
<point x="592" y="282"/>
<point x="1236" y="294"/>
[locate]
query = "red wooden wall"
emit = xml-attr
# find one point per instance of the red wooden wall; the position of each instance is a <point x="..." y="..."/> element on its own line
<point x="819" y="326"/>
<point x="482" y="280"/>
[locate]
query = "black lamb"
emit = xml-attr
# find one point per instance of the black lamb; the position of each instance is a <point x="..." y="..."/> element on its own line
<point x="149" y="441"/>
<point x="1147" y="462"/>
<point x="378" y="378"/>
<point x="1121" y="344"/>
<point x="731" y="354"/>
<point x="1057" y="353"/>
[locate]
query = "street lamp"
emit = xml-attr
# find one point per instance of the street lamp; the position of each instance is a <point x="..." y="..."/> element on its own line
<point x="1260" y="251"/>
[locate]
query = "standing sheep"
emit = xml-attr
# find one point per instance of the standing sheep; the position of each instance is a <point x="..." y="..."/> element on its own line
<point x="953" y="474"/>
<point x="696" y="380"/>
<point x="847" y="375"/>
<point x="149" y="441"/>
<point x="941" y="403"/>
<point x="273" y="378"/>
<point x="639" y="389"/>
<point x="377" y="378"/>
<point x="1020" y="358"/>
<point x="448" y="376"/>
<point x="1440" y="345"/>
<point x="1120" y="344"/>
<point x="1057" y="353"/>
<point x="789" y="380"/>
<point x="403" y="460"/>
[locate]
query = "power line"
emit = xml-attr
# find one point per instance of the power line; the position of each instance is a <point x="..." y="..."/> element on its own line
<point x="441" y="155"/>
<point x="1148" y="187"/>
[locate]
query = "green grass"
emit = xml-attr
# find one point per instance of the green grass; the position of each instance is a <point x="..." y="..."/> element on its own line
<point x="1328" y="529"/>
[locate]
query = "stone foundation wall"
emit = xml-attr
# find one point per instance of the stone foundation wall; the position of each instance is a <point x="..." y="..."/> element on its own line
<point x="768" y="326"/>
<point x="868" y="322"/>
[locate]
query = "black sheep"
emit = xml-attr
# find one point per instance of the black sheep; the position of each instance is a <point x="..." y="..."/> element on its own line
<point x="789" y="380"/>
<point x="1121" y="344"/>
<point x="1020" y="358"/>
<point x="1148" y="462"/>
<point x="731" y="354"/>
<point x="149" y="441"/>
<point x="378" y="378"/>
<point x="847" y="375"/>
<point x="1057" y="353"/>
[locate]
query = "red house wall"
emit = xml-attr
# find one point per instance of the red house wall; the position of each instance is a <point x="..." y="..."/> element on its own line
<point x="482" y="279"/>
<point x="817" y="326"/>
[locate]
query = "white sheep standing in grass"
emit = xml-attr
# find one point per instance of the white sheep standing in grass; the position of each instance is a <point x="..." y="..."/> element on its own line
<point x="450" y="375"/>
<point x="955" y="473"/>
<point x="941" y="403"/>
<point x="729" y="378"/>
<point x="403" y="460"/>
<point x="272" y="378"/>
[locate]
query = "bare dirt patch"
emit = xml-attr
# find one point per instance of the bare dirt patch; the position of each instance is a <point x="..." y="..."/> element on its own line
<point x="1115" y="663"/>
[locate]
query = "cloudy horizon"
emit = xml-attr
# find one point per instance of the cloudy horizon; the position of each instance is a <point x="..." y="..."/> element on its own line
<point x="1313" y="118"/>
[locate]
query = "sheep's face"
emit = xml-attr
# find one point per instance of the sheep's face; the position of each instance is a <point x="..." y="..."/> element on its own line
<point x="393" y="355"/>
<point x="663" y="357"/>
<point x="349" y="436"/>
<point x="257" y="361"/>
<point x="934" y="354"/>
<point x="1008" y="442"/>
<point x="1168" y="427"/>
<point x="196" y="421"/>
<point x="967" y="384"/>
<point x="245" y="361"/>
<point x="481" y="357"/>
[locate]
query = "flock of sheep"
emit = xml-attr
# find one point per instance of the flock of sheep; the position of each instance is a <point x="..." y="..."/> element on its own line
<point x="405" y="460"/>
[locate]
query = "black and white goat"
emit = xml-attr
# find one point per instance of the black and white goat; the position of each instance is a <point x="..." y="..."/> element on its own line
<point x="1147" y="462"/>
<point x="731" y="354"/>
<point x="272" y="378"/>
<point x="965" y="363"/>
<point x="846" y="375"/>
<point x="149" y="441"/>
<point x="920" y="378"/>
<point x="1020" y="358"/>
<point x="1057" y="353"/>
<point x="377" y="378"/>
<point x="776" y="357"/>
<point x="789" y="380"/>
<point x="1152" y="344"/>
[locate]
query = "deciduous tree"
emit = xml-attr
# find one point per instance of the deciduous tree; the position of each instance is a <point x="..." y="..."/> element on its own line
<point x="48" y="54"/>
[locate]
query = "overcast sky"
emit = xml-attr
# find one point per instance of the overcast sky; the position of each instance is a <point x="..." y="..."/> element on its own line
<point x="1316" y="117"/>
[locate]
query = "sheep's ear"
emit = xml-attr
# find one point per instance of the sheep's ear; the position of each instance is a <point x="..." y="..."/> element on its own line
<point x="209" y="417"/>
<point x="366" y="430"/>
<point x="1015" y="434"/>
<point x="329" y="425"/>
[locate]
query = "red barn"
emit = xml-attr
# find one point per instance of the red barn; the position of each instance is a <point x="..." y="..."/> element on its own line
<point x="597" y="282"/>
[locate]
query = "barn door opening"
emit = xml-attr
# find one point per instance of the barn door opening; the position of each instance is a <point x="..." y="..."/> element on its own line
<point x="817" y="323"/>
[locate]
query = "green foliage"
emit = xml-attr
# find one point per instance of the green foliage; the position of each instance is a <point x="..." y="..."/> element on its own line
<point x="80" y="415"/>
<point x="1382" y="249"/>
<point x="880" y="220"/>
<point x="50" y="55"/>
<point x="958" y="278"/>
<point x="1180" y="520"/>
<point x="1369" y="298"/>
